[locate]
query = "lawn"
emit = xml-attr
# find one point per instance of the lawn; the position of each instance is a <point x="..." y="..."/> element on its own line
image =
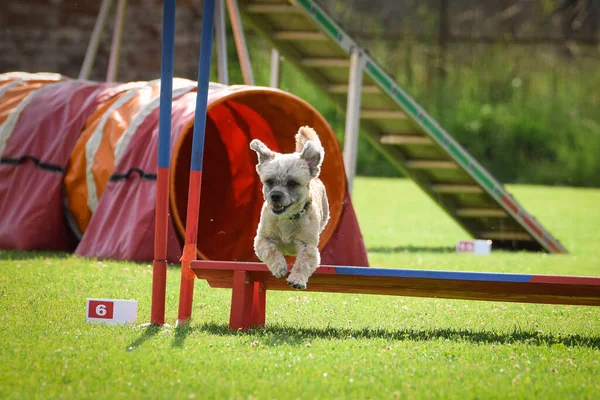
<point x="316" y="345"/>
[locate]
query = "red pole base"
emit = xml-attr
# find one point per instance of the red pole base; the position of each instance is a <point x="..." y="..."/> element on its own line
<point x="159" y="288"/>
<point x="186" y="289"/>
<point x="186" y="293"/>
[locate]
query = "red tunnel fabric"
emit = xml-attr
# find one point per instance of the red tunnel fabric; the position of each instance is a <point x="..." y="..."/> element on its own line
<point x="122" y="227"/>
<point x="34" y="160"/>
<point x="346" y="246"/>
<point x="230" y="186"/>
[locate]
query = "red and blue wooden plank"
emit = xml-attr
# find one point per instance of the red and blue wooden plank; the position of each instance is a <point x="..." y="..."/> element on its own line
<point x="254" y="279"/>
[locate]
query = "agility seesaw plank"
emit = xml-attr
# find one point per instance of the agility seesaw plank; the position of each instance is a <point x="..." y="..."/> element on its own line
<point x="319" y="47"/>
<point x="250" y="281"/>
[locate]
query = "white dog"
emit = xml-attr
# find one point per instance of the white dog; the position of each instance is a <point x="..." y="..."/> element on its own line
<point x="295" y="211"/>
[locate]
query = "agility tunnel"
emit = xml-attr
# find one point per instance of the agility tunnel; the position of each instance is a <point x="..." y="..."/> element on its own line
<point x="78" y="168"/>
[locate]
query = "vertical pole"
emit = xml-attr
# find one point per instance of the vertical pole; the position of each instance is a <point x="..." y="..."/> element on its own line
<point x="275" y="68"/>
<point x="240" y="41"/>
<point x="186" y="291"/>
<point x="115" y="47"/>
<point x="353" y="115"/>
<point x="92" y="49"/>
<point x="221" y="39"/>
<point x="159" y="272"/>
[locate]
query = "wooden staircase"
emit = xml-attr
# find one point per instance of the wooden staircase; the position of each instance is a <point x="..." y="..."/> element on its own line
<point x="396" y="125"/>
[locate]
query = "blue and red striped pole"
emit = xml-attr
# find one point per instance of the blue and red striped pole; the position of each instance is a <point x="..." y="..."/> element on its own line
<point x="186" y="291"/>
<point x="159" y="271"/>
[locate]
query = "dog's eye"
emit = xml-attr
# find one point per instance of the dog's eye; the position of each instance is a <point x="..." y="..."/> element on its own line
<point x="292" y="184"/>
<point x="269" y="182"/>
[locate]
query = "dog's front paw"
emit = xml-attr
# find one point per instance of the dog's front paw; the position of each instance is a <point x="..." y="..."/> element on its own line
<point x="279" y="270"/>
<point x="296" y="282"/>
<point x="297" y="285"/>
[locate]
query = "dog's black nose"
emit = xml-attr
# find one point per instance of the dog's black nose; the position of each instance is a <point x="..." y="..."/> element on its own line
<point x="276" y="197"/>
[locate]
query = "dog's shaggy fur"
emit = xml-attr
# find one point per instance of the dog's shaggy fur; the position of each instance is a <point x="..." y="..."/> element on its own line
<point x="295" y="211"/>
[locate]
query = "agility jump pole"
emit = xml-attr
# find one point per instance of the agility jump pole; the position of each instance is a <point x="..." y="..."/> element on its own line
<point x="186" y="290"/>
<point x="159" y="271"/>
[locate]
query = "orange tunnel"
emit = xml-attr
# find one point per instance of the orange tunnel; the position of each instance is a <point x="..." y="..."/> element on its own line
<point x="231" y="197"/>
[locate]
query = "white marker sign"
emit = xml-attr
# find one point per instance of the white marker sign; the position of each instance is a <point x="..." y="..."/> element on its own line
<point x="111" y="311"/>
<point x="483" y="247"/>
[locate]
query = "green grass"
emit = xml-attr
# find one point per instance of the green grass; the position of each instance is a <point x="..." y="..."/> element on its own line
<point x="315" y="345"/>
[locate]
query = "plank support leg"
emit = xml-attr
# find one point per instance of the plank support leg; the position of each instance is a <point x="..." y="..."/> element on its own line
<point x="241" y="301"/>
<point x="259" y="302"/>
<point x="248" y="302"/>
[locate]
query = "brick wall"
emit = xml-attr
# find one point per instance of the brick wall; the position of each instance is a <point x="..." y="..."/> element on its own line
<point x="52" y="36"/>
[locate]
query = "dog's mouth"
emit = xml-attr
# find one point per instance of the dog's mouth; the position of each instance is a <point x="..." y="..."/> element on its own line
<point x="279" y="208"/>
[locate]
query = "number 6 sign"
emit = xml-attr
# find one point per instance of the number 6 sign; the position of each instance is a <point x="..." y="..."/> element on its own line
<point x="111" y="311"/>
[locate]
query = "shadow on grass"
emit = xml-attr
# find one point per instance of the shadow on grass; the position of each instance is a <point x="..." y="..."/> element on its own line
<point x="147" y="333"/>
<point x="31" y="255"/>
<point x="278" y="334"/>
<point x="411" y="249"/>
<point x="181" y="332"/>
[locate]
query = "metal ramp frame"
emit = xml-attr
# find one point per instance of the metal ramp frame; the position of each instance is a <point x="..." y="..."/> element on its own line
<point x="395" y="123"/>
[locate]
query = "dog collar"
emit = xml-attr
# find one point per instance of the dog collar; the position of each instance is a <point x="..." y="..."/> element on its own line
<point x="301" y="212"/>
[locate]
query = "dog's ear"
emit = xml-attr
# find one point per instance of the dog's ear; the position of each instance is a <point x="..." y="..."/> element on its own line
<point x="264" y="153"/>
<point x="312" y="153"/>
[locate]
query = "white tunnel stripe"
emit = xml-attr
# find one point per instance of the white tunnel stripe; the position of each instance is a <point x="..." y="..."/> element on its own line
<point x="27" y="76"/>
<point x="7" y="128"/>
<point x="93" y="144"/>
<point x="7" y="86"/>
<point x="180" y="87"/>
